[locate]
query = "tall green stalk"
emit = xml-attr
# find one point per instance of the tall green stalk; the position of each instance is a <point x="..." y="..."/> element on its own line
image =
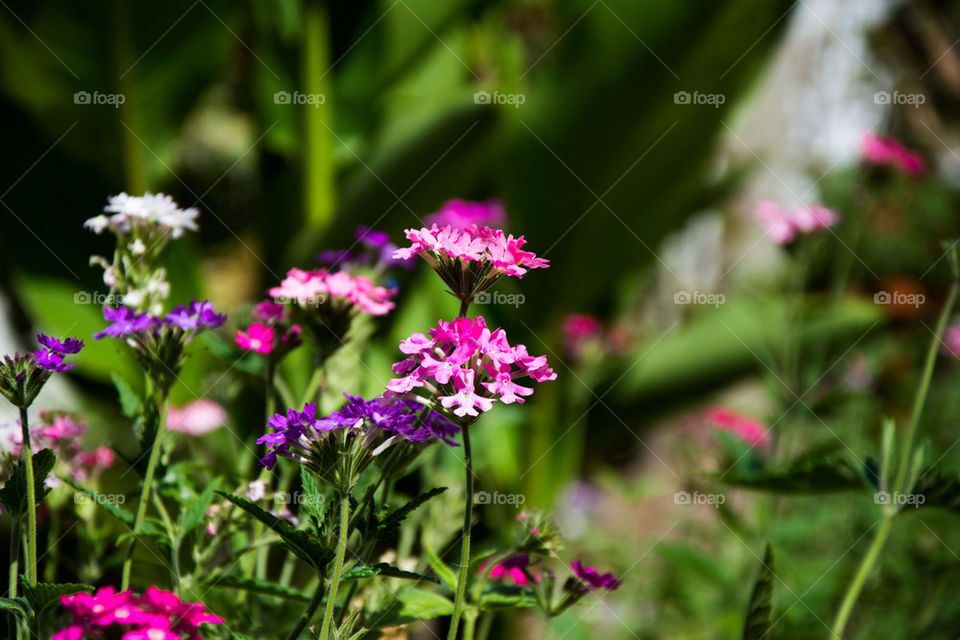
<point x="145" y="493"/>
<point x="890" y="512"/>
<point x="337" y="566"/>
<point x="465" y="545"/>
<point x="27" y="453"/>
<point x="318" y="171"/>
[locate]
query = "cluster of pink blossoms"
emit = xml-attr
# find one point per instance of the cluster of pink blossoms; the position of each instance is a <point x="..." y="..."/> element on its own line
<point x="321" y="286"/>
<point x="271" y="331"/>
<point x="196" y="418"/>
<point x="462" y="214"/>
<point x="156" y="615"/>
<point x="467" y="366"/>
<point x="748" y="429"/>
<point x="888" y="151"/>
<point x="783" y="224"/>
<point x="476" y="243"/>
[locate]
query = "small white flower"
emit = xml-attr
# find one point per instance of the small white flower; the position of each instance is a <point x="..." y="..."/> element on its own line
<point x="158" y="287"/>
<point x="137" y="247"/>
<point x="110" y="276"/>
<point x="256" y="491"/>
<point x="97" y="223"/>
<point x="134" y="298"/>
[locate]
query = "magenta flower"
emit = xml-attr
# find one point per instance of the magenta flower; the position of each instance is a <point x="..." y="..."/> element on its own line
<point x="196" y="418"/>
<point x="315" y="287"/>
<point x="888" y="151"/>
<point x="514" y="568"/>
<point x="783" y="225"/>
<point x="484" y="245"/>
<point x="747" y="429"/>
<point x="467" y="367"/>
<point x="269" y="311"/>
<point x="258" y="337"/>
<point x="463" y="214"/>
<point x="593" y="578"/>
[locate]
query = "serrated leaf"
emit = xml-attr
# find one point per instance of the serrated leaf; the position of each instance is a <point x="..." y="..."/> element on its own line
<point x="44" y="595"/>
<point x="757" y="623"/>
<point x="506" y="596"/>
<point x="313" y="497"/>
<point x="299" y="542"/>
<point x="130" y="403"/>
<point x="823" y="475"/>
<point x="441" y="568"/>
<point x="13" y="494"/>
<point x="383" y="569"/>
<point x="18" y="605"/>
<point x="410" y="605"/>
<point x="264" y="587"/>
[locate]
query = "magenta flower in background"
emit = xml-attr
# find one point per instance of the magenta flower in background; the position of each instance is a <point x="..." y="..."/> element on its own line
<point x="888" y="151"/>
<point x="269" y="311"/>
<point x="196" y="418"/>
<point x="258" y="337"/>
<point x="467" y="366"/>
<point x="320" y="287"/>
<point x="578" y="330"/>
<point x="593" y="578"/>
<point x="463" y="214"/>
<point x="513" y="568"/>
<point x="783" y="225"/>
<point x="748" y="429"/>
<point x="951" y="340"/>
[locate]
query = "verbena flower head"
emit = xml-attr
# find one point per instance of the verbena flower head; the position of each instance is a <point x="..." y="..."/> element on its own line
<point x="888" y="151"/>
<point x="593" y="579"/>
<point x="326" y="303"/>
<point x="463" y="214"/>
<point x="470" y="260"/>
<point x="159" y="340"/>
<point x="783" y="225"/>
<point x="197" y="418"/>
<point x="143" y="226"/>
<point x="748" y="429"/>
<point x="340" y="446"/>
<point x="466" y="367"/>
<point x="156" y="615"/>
<point x="23" y="375"/>
<point x="515" y="568"/>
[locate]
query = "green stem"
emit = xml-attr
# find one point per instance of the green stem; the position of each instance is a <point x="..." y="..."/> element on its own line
<point x="873" y="553"/>
<point x="308" y="612"/>
<point x="27" y="454"/>
<point x="546" y="629"/>
<point x="315" y="381"/>
<point x="465" y="547"/>
<point x="14" y="558"/>
<point x="486" y="622"/>
<point x="145" y="493"/>
<point x="469" y="624"/>
<point x="337" y="566"/>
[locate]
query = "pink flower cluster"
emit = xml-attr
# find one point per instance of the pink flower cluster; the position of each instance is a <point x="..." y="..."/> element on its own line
<point x="196" y="418"/>
<point x="783" y="224"/>
<point x="271" y="331"/>
<point x="888" y="151"/>
<point x="476" y="243"/>
<point x="467" y="366"/>
<point x="156" y="615"/>
<point x="463" y="214"/>
<point x="321" y="286"/>
<point x="743" y="426"/>
<point x="62" y="433"/>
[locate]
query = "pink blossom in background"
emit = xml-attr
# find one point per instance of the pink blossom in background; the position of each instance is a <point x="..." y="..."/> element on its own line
<point x="748" y="429"/>
<point x="462" y="214"/>
<point x="513" y="568"/>
<point x="579" y="329"/>
<point x="258" y="337"/>
<point x="196" y="418"/>
<point x="783" y="225"/>
<point x="319" y="284"/>
<point x="888" y="151"/>
<point x="951" y="340"/>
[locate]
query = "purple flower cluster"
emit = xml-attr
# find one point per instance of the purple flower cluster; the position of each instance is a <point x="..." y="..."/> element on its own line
<point x="124" y="321"/>
<point x="593" y="578"/>
<point x="50" y="354"/>
<point x="296" y="430"/>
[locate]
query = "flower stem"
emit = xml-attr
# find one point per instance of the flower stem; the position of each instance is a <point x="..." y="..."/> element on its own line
<point x="14" y="558"/>
<point x="145" y="493"/>
<point x="873" y="553"/>
<point x="465" y="547"/>
<point x="308" y="612"/>
<point x="27" y="453"/>
<point x="338" y="565"/>
<point x="464" y="307"/>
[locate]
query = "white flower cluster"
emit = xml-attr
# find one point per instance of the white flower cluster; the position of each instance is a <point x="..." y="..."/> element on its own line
<point x="150" y="209"/>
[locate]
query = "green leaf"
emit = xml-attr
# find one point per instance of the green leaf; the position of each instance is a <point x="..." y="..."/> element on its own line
<point x="263" y="587"/>
<point x="301" y="543"/>
<point x="383" y="569"/>
<point x="151" y="527"/>
<point x="313" y="498"/>
<point x="44" y="595"/>
<point x="195" y="513"/>
<point x="129" y="401"/>
<point x="18" y="605"/>
<point x="820" y="475"/>
<point x="441" y="568"/>
<point x="412" y="604"/>
<point x="389" y="523"/>
<point x="506" y="597"/>
<point x="757" y="623"/>
<point x="13" y="494"/>
<point x="938" y="490"/>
